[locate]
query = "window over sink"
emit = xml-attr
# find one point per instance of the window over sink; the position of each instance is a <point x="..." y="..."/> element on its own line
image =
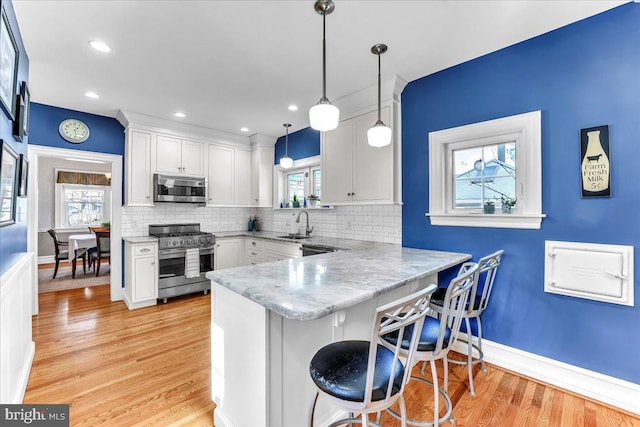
<point x="302" y="180"/>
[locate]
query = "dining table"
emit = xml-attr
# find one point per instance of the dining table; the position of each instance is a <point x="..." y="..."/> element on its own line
<point x="78" y="242"/>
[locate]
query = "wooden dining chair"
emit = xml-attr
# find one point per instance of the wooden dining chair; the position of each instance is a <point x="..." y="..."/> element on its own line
<point x="93" y="252"/>
<point x="103" y="246"/>
<point x="63" y="254"/>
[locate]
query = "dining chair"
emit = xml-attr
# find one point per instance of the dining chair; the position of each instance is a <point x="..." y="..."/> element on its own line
<point x="93" y="251"/>
<point x="63" y="254"/>
<point x="477" y="303"/>
<point x="103" y="246"/>
<point x="366" y="377"/>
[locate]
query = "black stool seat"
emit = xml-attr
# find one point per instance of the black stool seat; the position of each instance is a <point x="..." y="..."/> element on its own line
<point x="428" y="337"/>
<point x="438" y="299"/>
<point x="340" y="369"/>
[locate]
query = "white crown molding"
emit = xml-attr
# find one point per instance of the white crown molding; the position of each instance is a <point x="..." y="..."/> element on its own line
<point x="593" y="385"/>
<point x="366" y="100"/>
<point x="259" y="140"/>
<point x="141" y="121"/>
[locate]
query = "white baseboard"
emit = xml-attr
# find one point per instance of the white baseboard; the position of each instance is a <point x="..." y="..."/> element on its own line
<point x="46" y="259"/>
<point x="24" y="375"/>
<point x="593" y="385"/>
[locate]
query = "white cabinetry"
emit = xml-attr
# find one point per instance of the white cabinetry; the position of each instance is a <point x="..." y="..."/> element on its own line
<point x="253" y="251"/>
<point x="141" y="274"/>
<point x="177" y="156"/>
<point x="228" y="253"/>
<point x="257" y="251"/>
<point x="243" y="177"/>
<point x="221" y="185"/>
<point x="138" y="190"/>
<point x="262" y="176"/>
<point x="352" y="170"/>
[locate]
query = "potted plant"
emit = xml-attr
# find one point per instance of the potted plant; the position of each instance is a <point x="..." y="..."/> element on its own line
<point x="489" y="207"/>
<point x="507" y="204"/>
<point x="296" y="202"/>
<point x="313" y="200"/>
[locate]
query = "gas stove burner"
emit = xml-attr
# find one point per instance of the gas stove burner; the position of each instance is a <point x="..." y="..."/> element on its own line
<point x="178" y="236"/>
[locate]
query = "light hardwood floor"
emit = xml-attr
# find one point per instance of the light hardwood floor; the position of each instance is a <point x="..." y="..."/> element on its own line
<point x="150" y="367"/>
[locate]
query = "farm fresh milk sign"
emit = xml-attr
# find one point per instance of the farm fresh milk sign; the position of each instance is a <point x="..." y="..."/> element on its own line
<point x="594" y="152"/>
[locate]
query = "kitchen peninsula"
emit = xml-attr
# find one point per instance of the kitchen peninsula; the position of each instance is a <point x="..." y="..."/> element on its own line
<point x="268" y="320"/>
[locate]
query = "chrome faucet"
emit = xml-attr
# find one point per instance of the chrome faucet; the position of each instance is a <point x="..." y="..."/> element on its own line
<point x="307" y="230"/>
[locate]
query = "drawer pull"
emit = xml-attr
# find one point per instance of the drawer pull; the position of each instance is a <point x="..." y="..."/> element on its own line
<point x="145" y="250"/>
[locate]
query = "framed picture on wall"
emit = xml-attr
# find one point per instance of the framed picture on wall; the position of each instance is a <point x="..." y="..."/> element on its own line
<point x="595" y="166"/>
<point x="8" y="67"/>
<point x="18" y="129"/>
<point x="26" y="96"/>
<point x="8" y="179"/>
<point x="24" y="176"/>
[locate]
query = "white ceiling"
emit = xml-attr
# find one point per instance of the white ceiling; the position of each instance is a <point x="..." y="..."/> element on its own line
<point x="229" y="64"/>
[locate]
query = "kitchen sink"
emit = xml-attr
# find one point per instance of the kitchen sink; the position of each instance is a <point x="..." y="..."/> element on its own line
<point x="294" y="236"/>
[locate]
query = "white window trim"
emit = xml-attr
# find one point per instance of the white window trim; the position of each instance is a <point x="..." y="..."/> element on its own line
<point x="59" y="205"/>
<point x="525" y="130"/>
<point x="307" y="164"/>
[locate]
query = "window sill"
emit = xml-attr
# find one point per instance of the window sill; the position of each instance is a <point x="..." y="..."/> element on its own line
<point x="497" y="220"/>
<point x="317" y="208"/>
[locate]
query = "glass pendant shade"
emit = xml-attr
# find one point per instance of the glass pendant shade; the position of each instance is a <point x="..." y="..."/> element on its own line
<point x="324" y="116"/>
<point x="286" y="162"/>
<point x="379" y="135"/>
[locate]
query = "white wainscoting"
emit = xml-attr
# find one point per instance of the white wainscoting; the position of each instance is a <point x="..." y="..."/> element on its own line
<point x="16" y="344"/>
<point x="593" y="385"/>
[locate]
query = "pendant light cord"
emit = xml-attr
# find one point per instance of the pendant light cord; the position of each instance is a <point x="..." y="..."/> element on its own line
<point x="286" y="142"/>
<point x="379" y="78"/>
<point x="324" y="58"/>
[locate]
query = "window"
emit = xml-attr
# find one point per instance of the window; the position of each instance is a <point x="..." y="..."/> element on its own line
<point x="474" y="164"/>
<point x="302" y="183"/>
<point x="78" y="206"/>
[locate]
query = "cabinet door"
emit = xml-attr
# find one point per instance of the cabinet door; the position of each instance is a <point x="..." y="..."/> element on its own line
<point x="337" y="164"/>
<point x="193" y="154"/>
<point x="145" y="286"/>
<point x="254" y="175"/>
<point x="138" y="173"/>
<point x="228" y="253"/>
<point x="168" y="155"/>
<point x="261" y="187"/>
<point x="221" y="176"/>
<point x="372" y="167"/>
<point x="243" y="177"/>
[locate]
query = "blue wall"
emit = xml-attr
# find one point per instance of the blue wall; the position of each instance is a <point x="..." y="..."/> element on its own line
<point x="13" y="238"/>
<point x="106" y="133"/>
<point x="582" y="75"/>
<point x="302" y="143"/>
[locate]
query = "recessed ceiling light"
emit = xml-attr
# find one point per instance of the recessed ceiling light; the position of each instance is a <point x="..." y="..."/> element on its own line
<point x="179" y="114"/>
<point x="293" y="107"/>
<point x="243" y="129"/>
<point x="92" y="95"/>
<point x="99" y="46"/>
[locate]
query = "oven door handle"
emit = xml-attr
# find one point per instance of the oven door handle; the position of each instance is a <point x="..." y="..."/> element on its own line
<point x="181" y="252"/>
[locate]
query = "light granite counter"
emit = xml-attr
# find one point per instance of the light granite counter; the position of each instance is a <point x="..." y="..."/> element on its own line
<point x="312" y="287"/>
<point x="268" y="320"/>
<point x="141" y="239"/>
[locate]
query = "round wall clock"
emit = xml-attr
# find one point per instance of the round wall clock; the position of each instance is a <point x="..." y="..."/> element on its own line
<point x="74" y="131"/>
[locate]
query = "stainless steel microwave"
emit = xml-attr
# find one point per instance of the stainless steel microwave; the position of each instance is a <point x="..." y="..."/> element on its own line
<point x="179" y="189"/>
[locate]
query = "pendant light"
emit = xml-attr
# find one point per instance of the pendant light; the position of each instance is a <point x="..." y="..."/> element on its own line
<point x="380" y="134"/>
<point x="324" y="115"/>
<point x="286" y="162"/>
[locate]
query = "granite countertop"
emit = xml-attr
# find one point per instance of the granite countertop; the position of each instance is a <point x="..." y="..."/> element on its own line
<point x="312" y="287"/>
<point x="141" y="239"/>
<point x="315" y="240"/>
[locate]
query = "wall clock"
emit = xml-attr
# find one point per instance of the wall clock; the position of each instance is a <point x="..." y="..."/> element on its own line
<point x="74" y="131"/>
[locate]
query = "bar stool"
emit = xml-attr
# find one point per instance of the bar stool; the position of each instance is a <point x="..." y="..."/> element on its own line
<point x="365" y="377"/>
<point x="437" y="338"/>
<point x="478" y="299"/>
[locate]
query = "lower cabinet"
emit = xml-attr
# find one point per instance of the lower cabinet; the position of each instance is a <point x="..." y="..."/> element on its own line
<point x="141" y="274"/>
<point x="228" y="253"/>
<point x="257" y="251"/>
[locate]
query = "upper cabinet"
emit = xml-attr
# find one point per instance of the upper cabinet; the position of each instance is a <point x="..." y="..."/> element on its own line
<point x="221" y="177"/>
<point x="138" y="175"/>
<point x="352" y="170"/>
<point x="175" y="156"/>
<point x="261" y="187"/>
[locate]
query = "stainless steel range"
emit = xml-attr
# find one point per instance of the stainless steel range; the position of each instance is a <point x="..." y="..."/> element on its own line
<point x="185" y="254"/>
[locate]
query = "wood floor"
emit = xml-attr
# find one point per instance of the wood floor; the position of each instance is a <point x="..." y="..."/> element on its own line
<point x="150" y="367"/>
